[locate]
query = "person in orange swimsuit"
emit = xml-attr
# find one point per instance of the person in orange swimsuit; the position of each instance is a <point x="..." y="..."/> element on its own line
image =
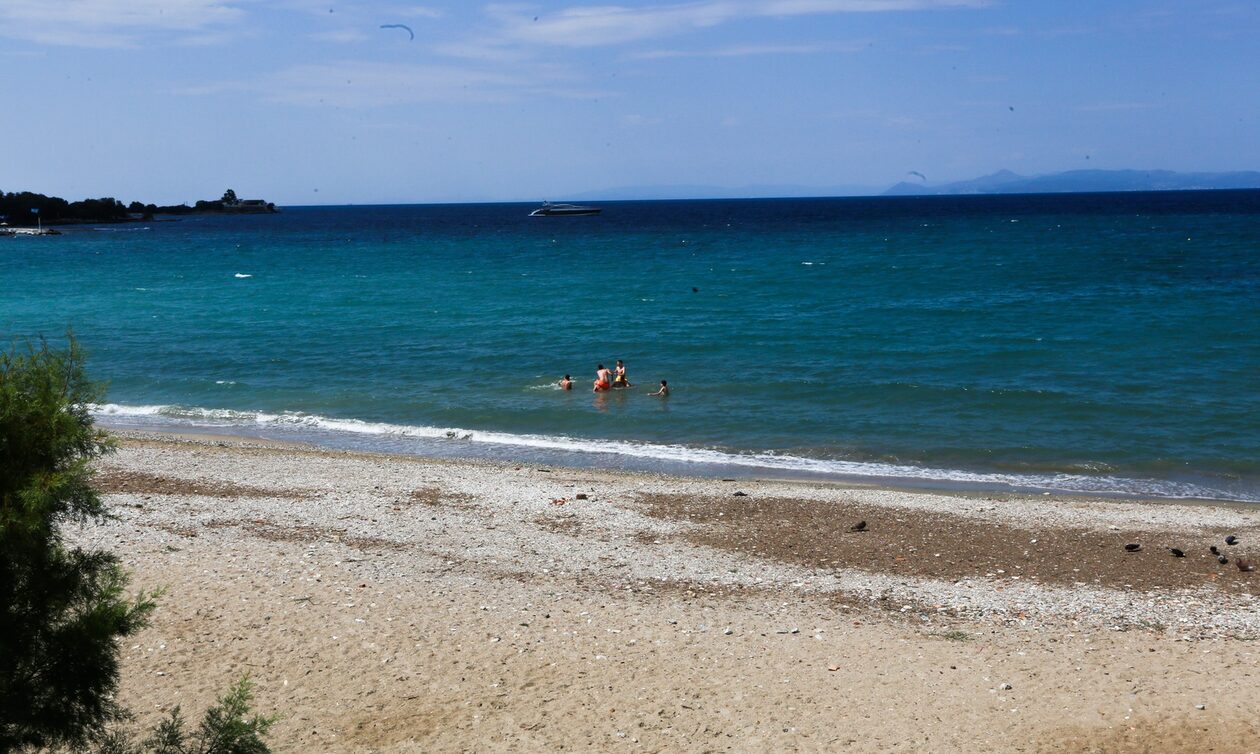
<point x="603" y="379"/>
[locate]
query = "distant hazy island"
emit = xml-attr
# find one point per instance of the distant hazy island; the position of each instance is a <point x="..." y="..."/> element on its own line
<point x="916" y="184"/>
<point x="24" y="208"/>
<point x="1082" y="181"/>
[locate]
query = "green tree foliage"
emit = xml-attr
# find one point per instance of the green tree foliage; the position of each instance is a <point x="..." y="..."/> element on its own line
<point x="62" y="609"/>
<point x="227" y="728"/>
<point x="22" y="209"/>
<point x="229" y="197"/>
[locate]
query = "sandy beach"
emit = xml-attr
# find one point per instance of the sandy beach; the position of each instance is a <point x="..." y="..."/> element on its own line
<point x="400" y="604"/>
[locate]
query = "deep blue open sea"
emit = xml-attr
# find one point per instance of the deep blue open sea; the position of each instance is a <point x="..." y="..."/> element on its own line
<point x="1079" y="343"/>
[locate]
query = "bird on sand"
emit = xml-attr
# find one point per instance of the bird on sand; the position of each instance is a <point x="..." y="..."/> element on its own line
<point x="1223" y="560"/>
<point x="859" y="526"/>
<point x="1134" y="547"/>
<point x="1214" y="550"/>
<point x="1176" y="553"/>
<point x="1231" y="540"/>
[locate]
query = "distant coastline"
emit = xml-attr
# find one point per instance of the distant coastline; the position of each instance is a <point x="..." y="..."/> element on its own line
<point x="1082" y="181"/>
<point x="18" y="209"/>
<point x="917" y="184"/>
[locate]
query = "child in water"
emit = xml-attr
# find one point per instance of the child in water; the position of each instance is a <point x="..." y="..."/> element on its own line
<point x="566" y="383"/>
<point x="664" y="391"/>
<point x="619" y="376"/>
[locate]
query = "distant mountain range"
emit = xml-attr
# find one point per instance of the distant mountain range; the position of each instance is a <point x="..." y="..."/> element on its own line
<point x="1001" y="182"/>
<point x="757" y="191"/>
<point x="1073" y="181"/>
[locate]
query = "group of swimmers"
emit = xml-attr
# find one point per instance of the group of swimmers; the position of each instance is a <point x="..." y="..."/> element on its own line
<point x="612" y="379"/>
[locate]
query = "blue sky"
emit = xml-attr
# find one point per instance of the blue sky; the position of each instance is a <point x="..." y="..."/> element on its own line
<point x="311" y="102"/>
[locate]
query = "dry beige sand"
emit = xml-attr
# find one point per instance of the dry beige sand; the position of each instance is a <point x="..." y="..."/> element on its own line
<point x="394" y="604"/>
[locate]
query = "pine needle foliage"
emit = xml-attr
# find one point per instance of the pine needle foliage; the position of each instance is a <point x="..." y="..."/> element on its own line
<point x="62" y="609"/>
<point x="227" y="728"/>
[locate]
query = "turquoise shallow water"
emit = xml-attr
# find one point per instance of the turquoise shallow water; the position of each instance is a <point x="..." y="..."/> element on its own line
<point x="1104" y="343"/>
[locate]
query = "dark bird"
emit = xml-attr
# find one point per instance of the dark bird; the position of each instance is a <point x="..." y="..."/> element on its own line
<point x="859" y="526"/>
<point x="1132" y="547"/>
<point x="1223" y="560"/>
<point x="1176" y="553"/>
<point x="1244" y="565"/>
<point x="740" y="493"/>
<point x="404" y="27"/>
<point x="1214" y="550"/>
<point x="1231" y="540"/>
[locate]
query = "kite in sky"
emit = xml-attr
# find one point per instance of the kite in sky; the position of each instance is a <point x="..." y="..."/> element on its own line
<point x="404" y="27"/>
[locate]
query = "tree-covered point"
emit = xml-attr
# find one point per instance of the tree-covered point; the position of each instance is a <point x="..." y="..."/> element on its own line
<point x="26" y="208"/>
<point x="23" y="208"/>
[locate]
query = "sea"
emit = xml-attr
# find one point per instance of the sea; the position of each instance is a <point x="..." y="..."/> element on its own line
<point x="1104" y="344"/>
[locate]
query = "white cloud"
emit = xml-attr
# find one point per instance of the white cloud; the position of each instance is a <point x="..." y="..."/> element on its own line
<point x="356" y="84"/>
<point x="111" y="23"/>
<point x="741" y="51"/>
<point x="359" y="84"/>
<point x="484" y="50"/>
<point x="640" y="121"/>
<point x="341" y="36"/>
<point x="1107" y="107"/>
<point x="420" y="11"/>
<point x="594" y="26"/>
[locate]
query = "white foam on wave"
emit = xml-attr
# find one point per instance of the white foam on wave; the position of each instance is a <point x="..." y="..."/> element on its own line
<point x="242" y="275"/>
<point x="678" y="455"/>
<point x="114" y="409"/>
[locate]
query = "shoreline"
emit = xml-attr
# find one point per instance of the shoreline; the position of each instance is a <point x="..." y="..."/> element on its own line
<point x="400" y="604"/>
<point x="720" y="465"/>
<point x="219" y="435"/>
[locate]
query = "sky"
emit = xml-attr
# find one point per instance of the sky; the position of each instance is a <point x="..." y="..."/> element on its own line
<point x="330" y="102"/>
